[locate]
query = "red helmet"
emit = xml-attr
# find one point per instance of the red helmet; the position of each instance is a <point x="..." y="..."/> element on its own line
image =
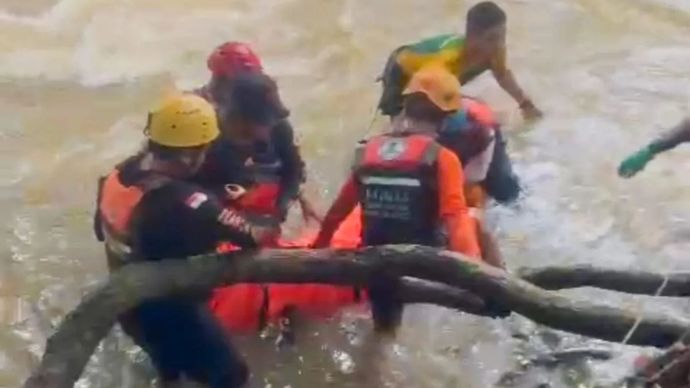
<point x="231" y="58"/>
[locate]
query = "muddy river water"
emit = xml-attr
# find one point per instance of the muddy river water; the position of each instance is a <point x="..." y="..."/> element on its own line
<point x="77" y="76"/>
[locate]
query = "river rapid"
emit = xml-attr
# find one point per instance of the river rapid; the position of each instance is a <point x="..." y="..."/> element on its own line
<point x="77" y="76"/>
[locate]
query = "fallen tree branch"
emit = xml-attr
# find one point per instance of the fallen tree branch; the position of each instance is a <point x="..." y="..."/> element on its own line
<point x="416" y="291"/>
<point x="628" y="281"/>
<point x="69" y="349"/>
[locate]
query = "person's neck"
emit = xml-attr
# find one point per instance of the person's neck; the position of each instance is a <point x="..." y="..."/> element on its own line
<point x="211" y="89"/>
<point x="233" y="135"/>
<point x="169" y="168"/>
<point x="407" y="124"/>
<point x="470" y="49"/>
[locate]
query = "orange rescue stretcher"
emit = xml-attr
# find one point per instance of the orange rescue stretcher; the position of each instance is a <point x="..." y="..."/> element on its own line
<point x="247" y="308"/>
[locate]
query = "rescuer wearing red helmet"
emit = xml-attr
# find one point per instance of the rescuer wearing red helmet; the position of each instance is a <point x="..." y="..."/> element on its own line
<point x="225" y="63"/>
<point x="272" y="172"/>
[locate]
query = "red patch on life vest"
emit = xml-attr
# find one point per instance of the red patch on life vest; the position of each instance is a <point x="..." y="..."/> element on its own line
<point x="195" y="200"/>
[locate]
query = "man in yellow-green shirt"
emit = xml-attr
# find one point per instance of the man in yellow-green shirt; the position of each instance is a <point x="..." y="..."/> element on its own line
<point x="483" y="48"/>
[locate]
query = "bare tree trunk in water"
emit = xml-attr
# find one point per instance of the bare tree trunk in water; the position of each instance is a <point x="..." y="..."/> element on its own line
<point x="69" y="349"/>
<point x="628" y="281"/>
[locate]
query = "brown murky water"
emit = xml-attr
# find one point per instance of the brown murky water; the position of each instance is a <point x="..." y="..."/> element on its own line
<point x="76" y="77"/>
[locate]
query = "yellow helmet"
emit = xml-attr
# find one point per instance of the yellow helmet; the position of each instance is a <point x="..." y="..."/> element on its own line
<point x="439" y="85"/>
<point x="183" y="120"/>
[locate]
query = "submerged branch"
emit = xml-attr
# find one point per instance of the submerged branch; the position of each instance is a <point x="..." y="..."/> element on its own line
<point x="69" y="349"/>
<point x="628" y="281"/>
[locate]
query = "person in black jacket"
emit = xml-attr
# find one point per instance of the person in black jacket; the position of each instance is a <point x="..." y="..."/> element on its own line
<point x="147" y="210"/>
<point x="257" y="151"/>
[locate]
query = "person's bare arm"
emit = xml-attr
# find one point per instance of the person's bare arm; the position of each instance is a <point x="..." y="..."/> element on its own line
<point x="637" y="161"/>
<point x="679" y="134"/>
<point x="505" y="78"/>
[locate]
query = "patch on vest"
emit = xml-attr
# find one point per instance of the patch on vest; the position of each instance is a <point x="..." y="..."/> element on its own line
<point x="195" y="200"/>
<point x="389" y="202"/>
<point x="392" y="149"/>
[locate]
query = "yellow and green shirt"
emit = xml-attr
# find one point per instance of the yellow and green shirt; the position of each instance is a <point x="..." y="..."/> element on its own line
<point x="449" y="52"/>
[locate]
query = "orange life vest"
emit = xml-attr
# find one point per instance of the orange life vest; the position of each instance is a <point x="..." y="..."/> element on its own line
<point x="116" y="207"/>
<point x="475" y="196"/>
<point x="245" y="308"/>
<point x="249" y="307"/>
<point x="260" y="199"/>
<point x="265" y="171"/>
<point x="479" y="112"/>
<point x="469" y="132"/>
<point x="398" y="189"/>
<point x="481" y="123"/>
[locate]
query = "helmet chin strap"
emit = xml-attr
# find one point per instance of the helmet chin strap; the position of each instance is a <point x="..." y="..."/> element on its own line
<point x="181" y="167"/>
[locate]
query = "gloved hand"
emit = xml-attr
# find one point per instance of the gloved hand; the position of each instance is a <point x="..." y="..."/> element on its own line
<point x="635" y="162"/>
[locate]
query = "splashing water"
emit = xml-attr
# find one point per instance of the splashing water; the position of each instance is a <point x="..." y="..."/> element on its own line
<point x="76" y="77"/>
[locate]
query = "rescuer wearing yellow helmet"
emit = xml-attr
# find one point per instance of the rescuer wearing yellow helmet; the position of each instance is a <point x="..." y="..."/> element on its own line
<point x="146" y="212"/>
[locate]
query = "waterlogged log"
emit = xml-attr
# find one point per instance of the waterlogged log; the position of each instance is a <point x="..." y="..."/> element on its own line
<point x="69" y="349"/>
<point x="416" y="291"/>
<point x="629" y="281"/>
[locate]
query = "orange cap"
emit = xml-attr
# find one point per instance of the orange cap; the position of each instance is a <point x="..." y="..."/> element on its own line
<point x="439" y="85"/>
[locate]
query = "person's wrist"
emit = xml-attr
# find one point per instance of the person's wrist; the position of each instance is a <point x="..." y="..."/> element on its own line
<point x="652" y="149"/>
<point x="526" y="103"/>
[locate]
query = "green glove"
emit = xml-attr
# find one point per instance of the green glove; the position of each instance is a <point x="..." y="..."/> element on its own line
<point x="635" y="162"/>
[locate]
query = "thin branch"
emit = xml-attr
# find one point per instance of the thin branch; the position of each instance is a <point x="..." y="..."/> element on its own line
<point x="628" y="281"/>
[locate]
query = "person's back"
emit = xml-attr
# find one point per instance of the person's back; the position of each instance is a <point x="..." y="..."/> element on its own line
<point x="397" y="179"/>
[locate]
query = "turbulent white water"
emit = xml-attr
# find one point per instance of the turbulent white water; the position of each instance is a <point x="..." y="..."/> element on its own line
<point x="76" y="77"/>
